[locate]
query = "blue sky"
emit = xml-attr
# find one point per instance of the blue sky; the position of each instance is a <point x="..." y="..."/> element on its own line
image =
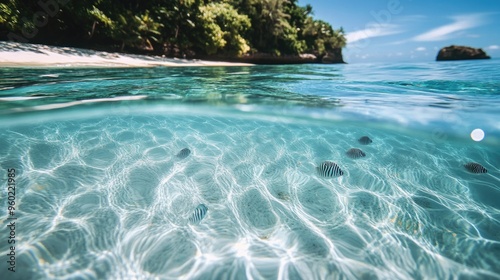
<point x="411" y="30"/>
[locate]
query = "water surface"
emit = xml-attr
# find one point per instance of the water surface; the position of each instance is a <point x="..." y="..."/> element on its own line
<point x="101" y="193"/>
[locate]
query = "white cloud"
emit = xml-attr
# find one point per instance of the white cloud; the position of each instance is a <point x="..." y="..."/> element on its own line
<point x="460" y="23"/>
<point x="420" y="49"/>
<point x="493" y="47"/>
<point x="374" y="30"/>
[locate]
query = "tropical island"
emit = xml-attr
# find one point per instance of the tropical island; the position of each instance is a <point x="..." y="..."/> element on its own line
<point x="254" y="31"/>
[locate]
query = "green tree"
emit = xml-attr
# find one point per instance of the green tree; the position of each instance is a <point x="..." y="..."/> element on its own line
<point x="228" y="27"/>
<point x="135" y="31"/>
<point x="320" y="36"/>
<point x="9" y="15"/>
<point x="178" y="18"/>
<point x="222" y="26"/>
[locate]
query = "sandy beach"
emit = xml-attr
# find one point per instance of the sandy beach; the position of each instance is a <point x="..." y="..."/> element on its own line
<point x="14" y="54"/>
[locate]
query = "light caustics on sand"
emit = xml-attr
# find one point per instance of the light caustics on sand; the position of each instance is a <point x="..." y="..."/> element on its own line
<point x="111" y="198"/>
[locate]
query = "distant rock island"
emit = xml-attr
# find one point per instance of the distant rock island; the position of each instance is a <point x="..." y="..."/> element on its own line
<point x="460" y="53"/>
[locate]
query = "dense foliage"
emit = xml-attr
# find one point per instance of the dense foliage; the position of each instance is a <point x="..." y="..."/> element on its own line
<point x="172" y="27"/>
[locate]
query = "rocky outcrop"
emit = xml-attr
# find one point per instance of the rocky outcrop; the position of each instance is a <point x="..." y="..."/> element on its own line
<point x="460" y="53"/>
<point x="334" y="56"/>
<point x="266" y="58"/>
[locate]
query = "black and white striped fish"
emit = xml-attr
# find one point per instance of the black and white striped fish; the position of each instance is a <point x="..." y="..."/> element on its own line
<point x="474" y="167"/>
<point x="364" y="140"/>
<point x="184" y="153"/>
<point x="199" y="213"/>
<point x="355" y="153"/>
<point x="329" y="169"/>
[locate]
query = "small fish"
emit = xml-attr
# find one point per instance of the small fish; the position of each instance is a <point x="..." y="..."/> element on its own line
<point x="329" y="169"/>
<point x="283" y="196"/>
<point x="184" y="153"/>
<point x="199" y="213"/>
<point x="475" y="167"/>
<point x="364" y="140"/>
<point x="355" y="153"/>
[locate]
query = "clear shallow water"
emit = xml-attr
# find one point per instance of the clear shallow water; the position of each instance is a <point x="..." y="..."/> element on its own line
<point x="101" y="194"/>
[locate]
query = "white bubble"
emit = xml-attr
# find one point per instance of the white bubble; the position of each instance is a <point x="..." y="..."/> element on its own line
<point x="477" y="134"/>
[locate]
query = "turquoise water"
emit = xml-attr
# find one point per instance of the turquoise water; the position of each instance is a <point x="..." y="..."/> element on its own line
<point x="101" y="192"/>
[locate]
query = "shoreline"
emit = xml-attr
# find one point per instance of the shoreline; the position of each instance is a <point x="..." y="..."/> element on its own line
<point x="13" y="54"/>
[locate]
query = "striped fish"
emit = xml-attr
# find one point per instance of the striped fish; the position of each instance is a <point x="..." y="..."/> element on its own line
<point x="329" y="169"/>
<point x="184" y="153"/>
<point x="474" y="167"/>
<point x="364" y="140"/>
<point x="199" y="213"/>
<point x="355" y="153"/>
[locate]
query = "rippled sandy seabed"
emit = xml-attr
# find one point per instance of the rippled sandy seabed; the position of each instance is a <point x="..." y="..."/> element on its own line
<point x="107" y="198"/>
